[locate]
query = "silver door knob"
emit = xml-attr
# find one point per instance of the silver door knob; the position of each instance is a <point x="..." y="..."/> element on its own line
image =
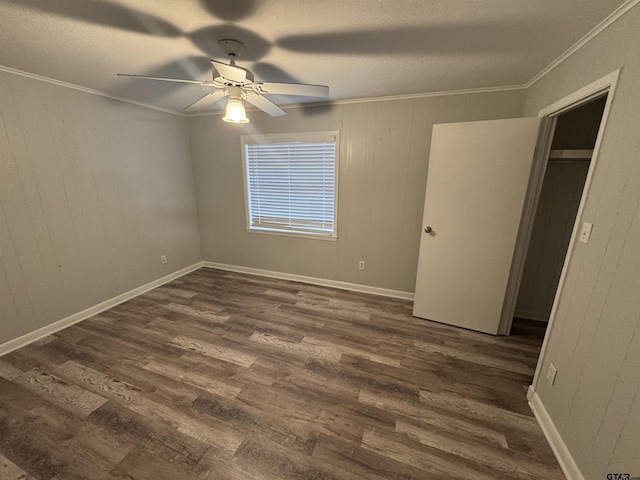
<point x="428" y="229"/>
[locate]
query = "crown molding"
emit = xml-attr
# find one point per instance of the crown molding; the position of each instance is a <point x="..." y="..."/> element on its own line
<point x="409" y="96"/>
<point x="594" y="32"/>
<point x="80" y="88"/>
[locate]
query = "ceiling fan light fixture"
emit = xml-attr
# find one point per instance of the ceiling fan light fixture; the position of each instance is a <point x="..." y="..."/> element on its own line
<point x="235" y="112"/>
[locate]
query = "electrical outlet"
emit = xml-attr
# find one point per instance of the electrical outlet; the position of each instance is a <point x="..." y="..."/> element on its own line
<point x="163" y="258"/>
<point x="361" y="264"/>
<point x="551" y="373"/>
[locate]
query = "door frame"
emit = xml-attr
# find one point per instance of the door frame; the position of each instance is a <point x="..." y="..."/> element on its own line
<point x="604" y="85"/>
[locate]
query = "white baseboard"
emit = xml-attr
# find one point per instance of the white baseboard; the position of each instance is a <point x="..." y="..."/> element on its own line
<point x="566" y="461"/>
<point x="312" y="280"/>
<point x="530" y="392"/>
<point x="30" y="337"/>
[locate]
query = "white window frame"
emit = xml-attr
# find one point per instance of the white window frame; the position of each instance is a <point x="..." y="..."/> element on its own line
<point x="290" y="138"/>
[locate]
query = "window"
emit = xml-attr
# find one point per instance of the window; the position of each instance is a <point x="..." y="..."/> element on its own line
<point x="290" y="183"/>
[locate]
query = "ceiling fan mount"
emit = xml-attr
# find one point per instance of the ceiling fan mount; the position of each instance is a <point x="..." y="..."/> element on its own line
<point x="237" y="83"/>
<point x="233" y="48"/>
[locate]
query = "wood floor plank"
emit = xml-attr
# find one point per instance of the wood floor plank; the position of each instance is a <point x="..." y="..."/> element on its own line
<point x="357" y="352"/>
<point x="144" y="431"/>
<point x="328" y="352"/>
<point x="230" y="467"/>
<point x="226" y="376"/>
<point x="501" y="459"/>
<point x="8" y="371"/>
<point x="132" y="398"/>
<point x="91" y="443"/>
<point x="10" y="471"/>
<point x="490" y="413"/>
<point x="317" y="410"/>
<point x="43" y="451"/>
<point x="433" y="465"/>
<point x="361" y="461"/>
<point x="68" y="396"/>
<point x="345" y="374"/>
<point x="192" y="378"/>
<point x="197" y="312"/>
<point x="433" y="418"/>
<point x="438" y="373"/>
<point x="488" y="360"/>
<point x="258" y="420"/>
<point x="279" y="463"/>
<point x="143" y="463"/>
<point x="225" y="354"/>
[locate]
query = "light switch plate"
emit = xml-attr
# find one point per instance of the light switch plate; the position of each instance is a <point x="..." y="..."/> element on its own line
<point x="585" y="233"/>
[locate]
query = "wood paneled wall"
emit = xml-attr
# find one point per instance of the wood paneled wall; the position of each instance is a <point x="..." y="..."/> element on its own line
<point x="92" y="192"/>
<point x="384" y="153"/>
<point x="595" y="339"/>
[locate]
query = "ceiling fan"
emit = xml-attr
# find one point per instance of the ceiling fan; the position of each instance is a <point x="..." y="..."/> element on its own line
<point x="238" y="84"/>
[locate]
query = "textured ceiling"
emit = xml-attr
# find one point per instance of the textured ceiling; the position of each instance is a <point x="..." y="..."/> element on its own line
<point x="359" y="48"/>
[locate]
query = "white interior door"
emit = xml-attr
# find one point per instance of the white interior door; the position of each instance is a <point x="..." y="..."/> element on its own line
<point x="476" y="186"/>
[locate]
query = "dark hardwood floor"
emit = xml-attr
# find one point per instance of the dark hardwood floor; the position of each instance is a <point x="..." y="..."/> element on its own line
<point x="220" y="375"/>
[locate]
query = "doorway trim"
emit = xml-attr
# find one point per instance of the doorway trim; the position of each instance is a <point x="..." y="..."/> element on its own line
<point x="549" y="115"/>
<point x="604" y="85"/>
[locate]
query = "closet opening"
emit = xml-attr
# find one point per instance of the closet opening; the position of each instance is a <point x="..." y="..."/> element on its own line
<point x="566" y="170"/>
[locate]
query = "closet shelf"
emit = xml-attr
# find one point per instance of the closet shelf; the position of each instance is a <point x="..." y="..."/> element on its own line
<point x="570" y="154"/>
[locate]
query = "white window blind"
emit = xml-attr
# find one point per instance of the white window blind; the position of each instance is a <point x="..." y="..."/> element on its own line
<point x="291" y="183"/>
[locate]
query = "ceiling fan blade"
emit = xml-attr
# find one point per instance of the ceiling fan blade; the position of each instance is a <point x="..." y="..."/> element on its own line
<point x="264" y="104"/>
<point x="299" y="89"/>
<point x="230" y="72"/>
<point x="166" y="79"/>
<point x="208" y="99"/>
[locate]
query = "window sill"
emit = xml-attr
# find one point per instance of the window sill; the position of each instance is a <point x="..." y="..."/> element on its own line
<point x="306" y="236"/>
